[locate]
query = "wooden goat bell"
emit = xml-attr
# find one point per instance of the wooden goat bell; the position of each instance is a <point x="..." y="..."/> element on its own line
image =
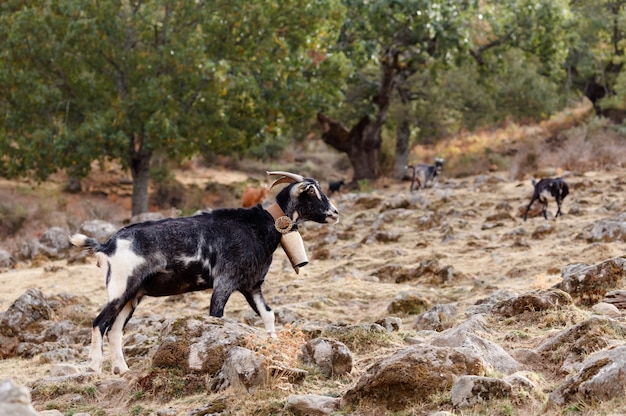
<point x="291" y="240"/>
<point x="293" y="245"/>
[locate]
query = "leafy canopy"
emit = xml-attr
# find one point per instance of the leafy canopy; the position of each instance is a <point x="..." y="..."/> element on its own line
<point x="83" y="79"/>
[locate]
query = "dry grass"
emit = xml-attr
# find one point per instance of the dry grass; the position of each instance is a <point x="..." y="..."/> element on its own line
<point x="350" y="294"/>
<point x="569" y="140"/>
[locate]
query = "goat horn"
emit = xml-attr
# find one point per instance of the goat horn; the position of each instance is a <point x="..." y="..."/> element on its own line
<point x="287" y="177"/>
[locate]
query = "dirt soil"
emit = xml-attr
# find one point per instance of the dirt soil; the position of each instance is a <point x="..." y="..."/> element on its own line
<point x="472" y="225"/>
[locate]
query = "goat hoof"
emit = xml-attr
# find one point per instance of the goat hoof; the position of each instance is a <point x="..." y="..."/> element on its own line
<point x="120" y="371"/>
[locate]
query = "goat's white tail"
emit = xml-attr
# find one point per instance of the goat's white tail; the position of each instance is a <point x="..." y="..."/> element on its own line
<point x="78" y="240"/>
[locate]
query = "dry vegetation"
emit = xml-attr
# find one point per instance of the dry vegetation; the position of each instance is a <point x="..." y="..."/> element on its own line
<point x="589" y="148"/>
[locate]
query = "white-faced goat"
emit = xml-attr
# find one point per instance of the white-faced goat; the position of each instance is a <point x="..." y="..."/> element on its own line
<point x="545" y="188"/>
<point x="425" y="174"/>
<point x="226" y="249"/>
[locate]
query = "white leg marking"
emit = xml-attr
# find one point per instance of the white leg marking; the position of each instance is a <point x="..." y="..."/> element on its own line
<point x="266" y="316"/>
<point x="115" y="340"/>
<point x="95" y="354"/>
<point x="122" y="264"/>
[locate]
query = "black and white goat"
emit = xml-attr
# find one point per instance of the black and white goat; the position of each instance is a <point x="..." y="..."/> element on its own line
<point x="227" y="250"/>
<point x="425" y="174"/>
<point x="545" y="188"/>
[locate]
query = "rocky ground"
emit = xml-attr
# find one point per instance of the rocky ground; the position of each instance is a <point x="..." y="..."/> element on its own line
<point x="478" y="312"/>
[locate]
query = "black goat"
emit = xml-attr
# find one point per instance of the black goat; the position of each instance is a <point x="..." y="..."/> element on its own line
<point x="544" y="189"/>
<point x="424" y="174"/>
<point x="335" y="186"/>
<point x="226" y="249"/>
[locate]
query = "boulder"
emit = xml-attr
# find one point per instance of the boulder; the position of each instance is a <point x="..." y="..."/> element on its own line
<point x="332" y="357"/>
<point x="98" y="229"/>
<point x="56" y="238"/>
<point x="438" y="318"/>
<point x="535" y="301"/>
<point x="589" y="284"/>
<point x="607" y="230"/>
<point x="466" y="336"/>
<point x="6" y="260"/>
<point x="15" y="399"/>
<point x="312" y="405"/>
<point x="411" y="303"/>
<point x="242" y="369"/>
<point x="601" y="378"/>
<point x="200" y="344"/>
<point x="568" y="348"/>
<point x="412" y="375"/>
<point x="469" y="391"/>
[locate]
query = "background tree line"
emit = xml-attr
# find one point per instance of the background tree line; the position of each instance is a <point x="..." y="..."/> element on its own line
<point x="82" y="80"/>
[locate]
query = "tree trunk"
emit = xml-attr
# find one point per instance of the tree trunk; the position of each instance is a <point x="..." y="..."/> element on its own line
<point x="361" y="149"/>
<point x="140" y="171"/>
<point x="402" y="150"/>
<point x="362" y="142"/>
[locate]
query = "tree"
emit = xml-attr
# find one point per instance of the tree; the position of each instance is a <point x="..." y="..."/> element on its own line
<point x="401" y="51"/>
<point x="596" y="59"/>
<point x="82" y="80"/>
<point x="399" y="38"/>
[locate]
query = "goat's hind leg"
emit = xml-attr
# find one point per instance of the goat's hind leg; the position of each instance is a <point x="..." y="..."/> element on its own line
<point x="100" y="328"/>
<point x="528" y="208"/>
<point x="118" y="364"/>
<point x="110" y="322"/>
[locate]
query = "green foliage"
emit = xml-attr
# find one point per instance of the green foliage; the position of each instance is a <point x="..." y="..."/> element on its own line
<point x="596" y="55"/>
<point x="84" y="80"/>
<point x="12" y="218"/>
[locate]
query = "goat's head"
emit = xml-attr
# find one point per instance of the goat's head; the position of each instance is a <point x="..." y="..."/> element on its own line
<point x="303" y="199"/>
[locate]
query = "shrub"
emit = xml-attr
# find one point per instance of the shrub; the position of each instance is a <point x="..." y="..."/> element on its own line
<point x="12" y="218"/>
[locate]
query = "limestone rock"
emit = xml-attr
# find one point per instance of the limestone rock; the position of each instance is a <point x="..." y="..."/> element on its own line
<point x="589" y="284"/>
<point x="332" y="357"/>
<point x="15" y="399"/>
<point x="536" y="301"/>
<point x="312" y="405"/>
<point x="472" y="390"/>
<point x="467" y="336"/>
<point x="602" y="377"/>
<point x="412" y="375"/>
<point x="200" y="344"/>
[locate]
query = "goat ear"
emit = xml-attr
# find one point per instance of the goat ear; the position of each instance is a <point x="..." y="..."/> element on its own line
<point x="301" y="188"/>
<point x="307" y="187"/>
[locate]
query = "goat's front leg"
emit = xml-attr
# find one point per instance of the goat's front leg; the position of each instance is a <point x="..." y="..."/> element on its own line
<point x="257" y="303"/>
<point x="558" y="211"/>
<point x="219" y="298"/>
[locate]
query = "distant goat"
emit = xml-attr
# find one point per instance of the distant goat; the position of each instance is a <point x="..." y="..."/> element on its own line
<point x="252" y="196"/>
<point x="335" y="186"/>
<point x="425" y="174"/>
<point x="227" y="250"/>
<point x="543" y="190"/>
